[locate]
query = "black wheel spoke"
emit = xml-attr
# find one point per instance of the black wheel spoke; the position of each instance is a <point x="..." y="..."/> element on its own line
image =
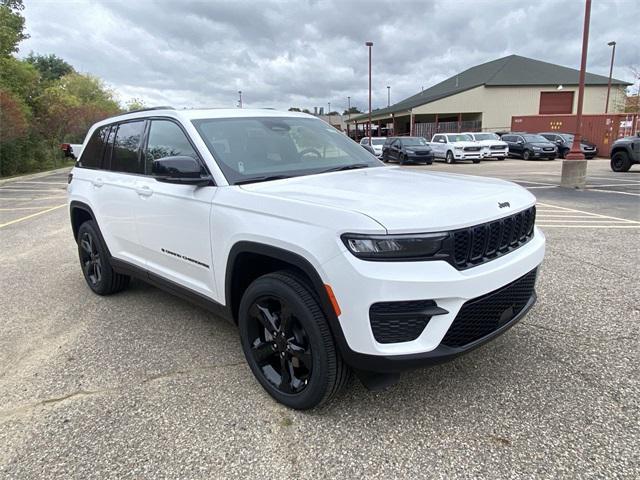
<point x="300" y="353"/>
<point x="285" y="375"/>
<point x="97" y="269"/>
<point x="285" y="319"/>
<point x="267" y="319"/>
<point x="86" y="245"/>
<point x="262" y="352"/>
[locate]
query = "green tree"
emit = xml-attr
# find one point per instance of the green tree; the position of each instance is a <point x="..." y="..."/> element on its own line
<point x="19" y="78"/>
<point x="135" y="104"/>
<point x="51" y="67"/>
<point x="294" y="109"/>
<point x="11" y="26"/>
<point x="352" y="110"/>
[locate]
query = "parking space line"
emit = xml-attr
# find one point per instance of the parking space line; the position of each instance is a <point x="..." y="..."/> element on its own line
<point x="614" y="191"/>
<point x="588" y="226"/>
<point x="589" y="177"/>
<point x="5" y="189"/>
<point x="556" y="216"/>
<point x="23" y="208"/>
<point x="26" y="199"/>
<point x="615" y="185"/>
<point x="42" y="183"/>
<point x="32" y="215"/>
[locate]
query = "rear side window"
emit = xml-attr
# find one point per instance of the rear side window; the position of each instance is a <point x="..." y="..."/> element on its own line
<point x="125" y="156"/>
<point x="166" y="139"/>
<point x="92" y="155"/>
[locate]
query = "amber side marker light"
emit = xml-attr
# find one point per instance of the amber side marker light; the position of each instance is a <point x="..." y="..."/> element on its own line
<point x="334" y="302"/>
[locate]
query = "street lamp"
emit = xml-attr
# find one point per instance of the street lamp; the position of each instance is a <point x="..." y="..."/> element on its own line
<point x="240" y="98"/>
<point x="369" y="44"/>
<point x="574" y="167"/>
<point x="388" y="96"/>
<point x="329" y="111"/>
<point x="613" y="54"/>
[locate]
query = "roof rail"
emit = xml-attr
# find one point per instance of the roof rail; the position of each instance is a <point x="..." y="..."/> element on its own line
<point x="162" y="107"/>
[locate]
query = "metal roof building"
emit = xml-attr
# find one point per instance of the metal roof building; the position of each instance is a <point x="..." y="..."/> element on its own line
<point x="486" y="96"/>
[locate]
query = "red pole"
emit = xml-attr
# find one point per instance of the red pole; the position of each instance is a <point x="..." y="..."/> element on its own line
<point x="576" y="151"/>
<point x="369" y="44"/>
<point x="613" y="54"/>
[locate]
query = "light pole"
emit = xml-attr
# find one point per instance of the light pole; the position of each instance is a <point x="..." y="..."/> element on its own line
<point x="349" y="116"/>
<point x="613" y="54"/>
<point x="369" y="44"/>
<point x="329" y="111"/>
<point x="574" y="167"/>
<point x="388" y="96"/>
<point x="240" y="98"/>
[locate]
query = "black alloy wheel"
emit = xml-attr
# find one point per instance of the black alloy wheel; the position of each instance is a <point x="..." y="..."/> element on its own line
<point x="402" y="158"/>
<point x="526" y="155"/>
<point x="95" y="262"/>
<point x="287" y="342"/>
<point x="620" y="162"/>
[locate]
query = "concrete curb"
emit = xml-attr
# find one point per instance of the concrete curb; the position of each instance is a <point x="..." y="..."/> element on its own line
<point x="34" y="175"/>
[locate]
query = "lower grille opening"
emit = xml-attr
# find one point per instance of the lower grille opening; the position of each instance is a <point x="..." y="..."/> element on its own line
<point x="483" y="315"/>
<point x="396" y="322"/>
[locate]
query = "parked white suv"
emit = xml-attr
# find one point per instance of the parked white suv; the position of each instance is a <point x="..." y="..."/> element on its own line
<point x="326" y="259"/>
<point x="492" y="146"/>
<point x="376" y="144"/>
<point x="451" y="147"/>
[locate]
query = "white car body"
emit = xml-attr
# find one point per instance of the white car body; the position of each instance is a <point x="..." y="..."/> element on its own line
<point x="186" y="234"/>
<point x="376" y="144"/>
<point x="492" y="148"/>
<point x="445" y="144"/>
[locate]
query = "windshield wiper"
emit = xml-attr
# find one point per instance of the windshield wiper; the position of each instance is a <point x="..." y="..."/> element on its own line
<point x="261" y="179"/>
<point x="353" y="166"/>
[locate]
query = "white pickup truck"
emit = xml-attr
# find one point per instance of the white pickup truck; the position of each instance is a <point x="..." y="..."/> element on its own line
<point x="492" y="146"/>
<point x="452" y="147"/>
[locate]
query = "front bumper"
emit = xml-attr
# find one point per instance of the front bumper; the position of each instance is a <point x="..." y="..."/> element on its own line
<point x="448" y="287"/>
<point x="496" y="153"/>
<point x="462" y="155"/>
<point x="543" y="154"/>
<point x="414" y="157"/>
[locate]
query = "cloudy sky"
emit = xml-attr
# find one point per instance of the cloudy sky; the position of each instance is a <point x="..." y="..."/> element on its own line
<point x="308" y="53"/>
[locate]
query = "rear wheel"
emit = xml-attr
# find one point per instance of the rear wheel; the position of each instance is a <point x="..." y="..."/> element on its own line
<point x="620" y="162"/>
<point x="526" y="155"/>
<point x="449" y="157"/>
<point x="95" y="263"/>
<point x="287" y="343"/>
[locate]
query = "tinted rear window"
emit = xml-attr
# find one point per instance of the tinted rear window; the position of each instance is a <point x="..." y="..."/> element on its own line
<point x="125" y="156"/>
<point x="92" y="154"/>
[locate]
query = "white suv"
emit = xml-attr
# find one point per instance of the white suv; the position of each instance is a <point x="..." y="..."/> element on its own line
<point x="327" y="260"/>
<point x="492" y="146"/>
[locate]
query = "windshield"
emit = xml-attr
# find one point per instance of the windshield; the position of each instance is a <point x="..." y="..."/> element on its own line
<point x="459" y="138"/>
<point x="256" y="148"/>
<point x="378" y="141"/>
<point x="535" y="138"/>
<point x="413" y="141"/>
<point x="486" y="136"/>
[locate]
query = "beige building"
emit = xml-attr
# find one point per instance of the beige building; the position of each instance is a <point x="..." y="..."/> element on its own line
<point x="485" y="97"/>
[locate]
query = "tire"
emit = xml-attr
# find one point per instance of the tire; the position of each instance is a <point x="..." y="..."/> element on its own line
<point x="430" y="162"/>
<point x="316" y="372"/>
<point x="401" y="159"/>
<point x="449" y="157"/>
<point x="385" y="158"/>
<point x="620" y="162"/>
<point x="95" y="262"/>
<point x="526" y="155"/>
<point x="476" y="160"/>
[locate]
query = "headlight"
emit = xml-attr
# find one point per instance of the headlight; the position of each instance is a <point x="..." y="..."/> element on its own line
<point x="383" y="247"/>
<point x="410" y="151"/>
<point x="537" y="149"/>
<point x="458" y="148"/>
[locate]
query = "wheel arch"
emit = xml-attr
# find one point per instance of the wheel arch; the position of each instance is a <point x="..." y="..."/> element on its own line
<point x="248" y="260"/>
<point x="79" y="212"/>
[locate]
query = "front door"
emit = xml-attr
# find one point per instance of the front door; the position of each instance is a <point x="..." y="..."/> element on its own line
<point x="174" y="221"/>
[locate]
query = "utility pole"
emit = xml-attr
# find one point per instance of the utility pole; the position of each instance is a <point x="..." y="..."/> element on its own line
<point x="574" y="166"/>
<point x="329" y="111"/>
<point x="349" y="116"/>
<point x="369" y="44"/>
<point x="388" y="96"/>
<point x="613" y="54"/>
<point x="240" y="98"/>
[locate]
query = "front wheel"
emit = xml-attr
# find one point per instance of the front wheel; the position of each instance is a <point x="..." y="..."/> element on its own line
<point x="287" y="343"/>
<point x="449" y="157"/>
<point x="476" y="160"/>
<point x="402" y="159"/>
<point x="526" y="155"/>
<point x="620" y="162"/>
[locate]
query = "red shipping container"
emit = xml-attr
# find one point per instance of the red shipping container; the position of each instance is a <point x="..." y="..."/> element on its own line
<point x="600" y="129"/>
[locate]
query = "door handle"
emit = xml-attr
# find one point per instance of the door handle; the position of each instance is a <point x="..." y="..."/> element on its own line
<point x="144" y="191"/>
<point x="97" y="182"/>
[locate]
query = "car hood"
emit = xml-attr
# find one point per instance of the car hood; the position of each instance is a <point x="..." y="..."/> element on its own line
<point x="405" y="201"/>
<point x="541" y="144"/>
<point x="466" y="144"/>
<point x="488" y="143"/>
<point x="419" y="148"/>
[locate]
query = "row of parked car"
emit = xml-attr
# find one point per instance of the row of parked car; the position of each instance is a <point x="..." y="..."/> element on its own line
<point x="475" y="146"/>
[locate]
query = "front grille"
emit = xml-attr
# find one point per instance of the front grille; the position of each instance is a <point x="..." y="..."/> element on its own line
<point x="481" y="243"/>
<point x="548" y="149"/>
<point x="472" y="149"/>
<point x="483" y="315"/>
<point x="498" y="147"/>
<point x="422" y="153"/>
<point x="394" y="322"/>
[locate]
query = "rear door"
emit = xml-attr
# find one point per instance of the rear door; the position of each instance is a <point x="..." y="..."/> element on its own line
<point x="174" y="221"/>
<point x="114" y="191"/>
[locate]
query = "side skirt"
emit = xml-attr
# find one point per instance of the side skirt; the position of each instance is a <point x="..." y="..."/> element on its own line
<point x="173" y="288"/>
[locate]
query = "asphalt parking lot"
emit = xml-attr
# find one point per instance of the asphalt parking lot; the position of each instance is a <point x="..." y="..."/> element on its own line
<point x="145" y="385"/>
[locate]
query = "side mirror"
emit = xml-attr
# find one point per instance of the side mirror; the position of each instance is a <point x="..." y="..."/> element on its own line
<point x="520" y="142"/>
<point x="181" y="169"/>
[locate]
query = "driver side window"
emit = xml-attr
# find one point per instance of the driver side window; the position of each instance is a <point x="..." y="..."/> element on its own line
<point x="166" y="139"/>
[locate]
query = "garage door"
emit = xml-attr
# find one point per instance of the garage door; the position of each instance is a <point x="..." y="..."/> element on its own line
<point x="556" y="102"/>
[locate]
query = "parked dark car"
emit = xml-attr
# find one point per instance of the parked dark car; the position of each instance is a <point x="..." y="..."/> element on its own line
<point x="407" y="149"/>
<point x="564" y="141"/>
<point x="625" y="152"/>
<point x="529" y="146"/>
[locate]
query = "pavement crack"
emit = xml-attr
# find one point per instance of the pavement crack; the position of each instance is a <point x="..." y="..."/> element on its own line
<point x="22" y="410"/>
